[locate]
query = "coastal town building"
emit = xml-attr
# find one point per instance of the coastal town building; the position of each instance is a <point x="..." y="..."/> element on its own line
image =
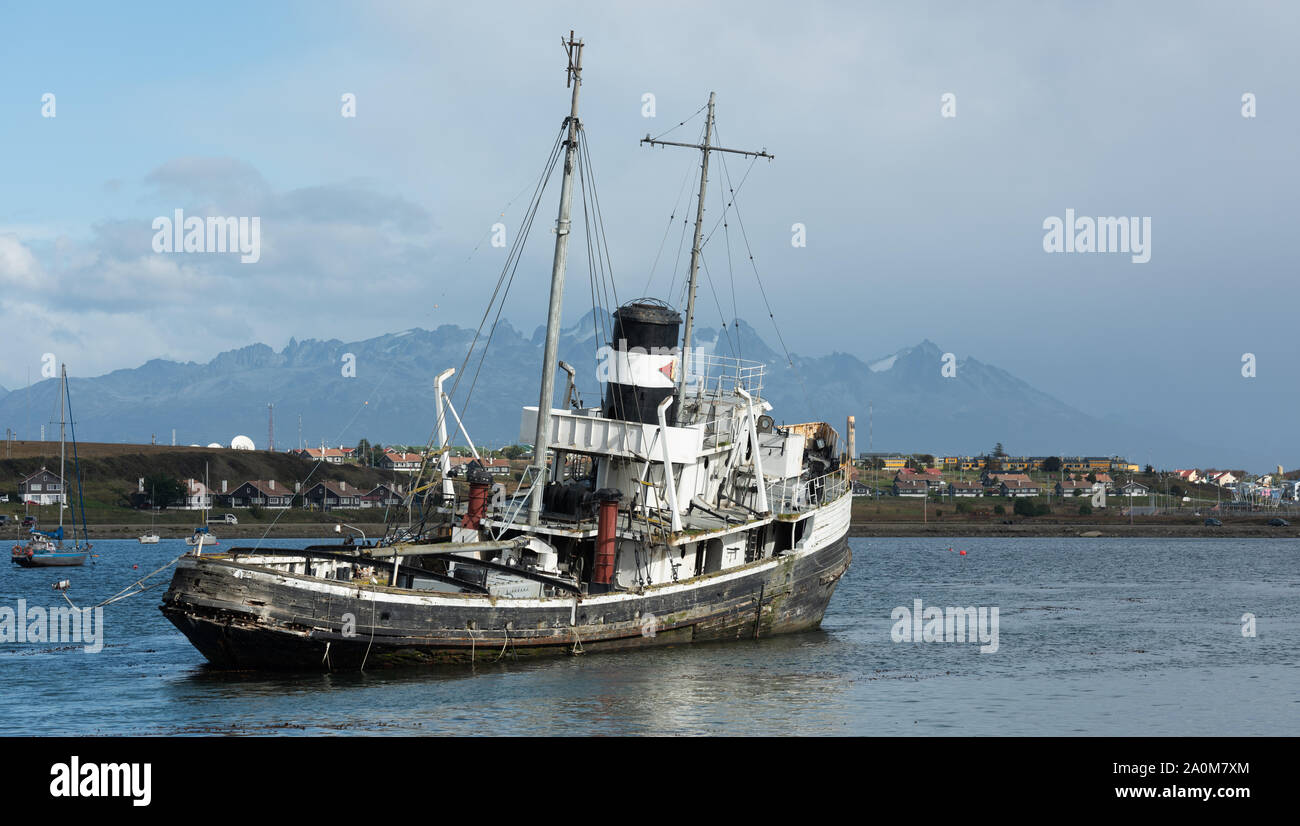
<point x="42" y="488"/>
<point x="400" y="461"/>
<point x="1017" y="487"/>
<point x="329" y="455"/>
<point x="264" y="493"/>
<point x="382" y="496"/>
<point x="1222" y="478"/>
<point x="888" y="461"/>
<point x="1073" y="487"/>
<point x="197" y="496"/>
<point x="915" y="488"/>
<point x="496" y="467"/>
<point x="332" y="495"/>
<point x="932" y="477"/>
<point x="1011" y="464"/>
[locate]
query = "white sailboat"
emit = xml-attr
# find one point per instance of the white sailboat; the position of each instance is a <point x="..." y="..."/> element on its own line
<point x="202" y="534"/>
<point x="45" y="549"/>
<point x="151" y="538"/>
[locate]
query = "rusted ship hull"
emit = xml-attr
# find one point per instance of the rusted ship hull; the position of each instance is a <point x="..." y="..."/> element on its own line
<point x="240" y="617"/>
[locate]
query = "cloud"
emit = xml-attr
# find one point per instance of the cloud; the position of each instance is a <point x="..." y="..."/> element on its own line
<point x="110" y="300"/>
<point x="224" y="181"/>
<point x="19" y="268"/>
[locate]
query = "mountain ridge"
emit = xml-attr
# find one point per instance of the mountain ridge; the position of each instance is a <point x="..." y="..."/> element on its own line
<point x="381" y="388"/>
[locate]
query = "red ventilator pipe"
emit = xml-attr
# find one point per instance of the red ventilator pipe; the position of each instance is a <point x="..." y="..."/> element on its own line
<point x="480" y="484"/>
<point x="607" y="521"/>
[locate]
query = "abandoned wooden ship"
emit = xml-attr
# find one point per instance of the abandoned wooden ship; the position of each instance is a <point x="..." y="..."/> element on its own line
<point x="676" y="511"/>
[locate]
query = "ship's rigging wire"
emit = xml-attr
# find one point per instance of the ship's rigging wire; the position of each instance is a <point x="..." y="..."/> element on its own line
<point x="672" y="216"/>
<point x="392" y="365"/>
<point x="682" y="123"/>
<point x="712" y="290"/>
<point x="488" y="234"/>
<point x="600" y="267"/>
<point x="681" y="242"/>
<point x="757" y="278"/>
<point x="499" y="294"/>
<point x="699" y="170"/>
<point x="506" y="279"/>
<point x="604" y="295"/>
<point x="600" y="274"/>
<point x="511" y="265"/>
<point x="731" y="275"/>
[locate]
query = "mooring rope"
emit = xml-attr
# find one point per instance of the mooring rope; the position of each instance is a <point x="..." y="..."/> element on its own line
<point x="125" y="592"/>
<point x="374" y="606"/>
<point x="507" y="643"/>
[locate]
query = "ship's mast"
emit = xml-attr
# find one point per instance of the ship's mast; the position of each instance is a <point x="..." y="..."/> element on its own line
<point x="550" y="354"/>
<point x="705" y="148"/>
<point x="695" y="255"/>
<point x="63" y="482"/>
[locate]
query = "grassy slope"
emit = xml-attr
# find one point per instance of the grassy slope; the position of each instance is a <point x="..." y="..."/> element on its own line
<point x="110" y="473"/>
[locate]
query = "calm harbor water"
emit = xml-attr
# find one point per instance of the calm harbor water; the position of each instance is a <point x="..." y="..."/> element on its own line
<point x="1096" y="636"/>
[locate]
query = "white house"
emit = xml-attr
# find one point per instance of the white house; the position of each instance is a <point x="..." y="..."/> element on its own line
<point x="1222" y="478"/>
<point x="405" y="462"/>
<point x="1074" y="487"/>
<point x="197" y="496"/>
<point x="1015" y="487"/>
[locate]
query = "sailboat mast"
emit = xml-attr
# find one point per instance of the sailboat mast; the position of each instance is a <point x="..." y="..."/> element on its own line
<point x="695" y="257"/>
<point x="63" y="482"/>
<point x="551" y="353"/>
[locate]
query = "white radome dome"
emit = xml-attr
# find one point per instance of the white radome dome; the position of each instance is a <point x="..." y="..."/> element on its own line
<point x="242" y="443"/>
<point x="215" y="444"/>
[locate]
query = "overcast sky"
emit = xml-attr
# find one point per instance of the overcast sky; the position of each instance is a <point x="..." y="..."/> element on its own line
<point x="918" y="225"/>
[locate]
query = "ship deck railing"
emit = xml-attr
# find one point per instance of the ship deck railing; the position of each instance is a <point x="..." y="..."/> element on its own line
<point x="799" y="495"/>
<point x="710" y="374"/>
<point x="718" y="432"/>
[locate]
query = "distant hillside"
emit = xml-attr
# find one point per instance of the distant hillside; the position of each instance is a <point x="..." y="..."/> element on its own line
<point x="381" y="389"/>
<point x="110" y="472"/>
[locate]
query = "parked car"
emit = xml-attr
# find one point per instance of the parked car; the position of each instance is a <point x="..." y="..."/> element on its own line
<point x="1279" y="523"/>
<point x="29" y="521"/>
<point x="4" y="519"/>
<point x="228" y="519"/>
<point x="4" y="497"/>
<point x="1213" y="523"/>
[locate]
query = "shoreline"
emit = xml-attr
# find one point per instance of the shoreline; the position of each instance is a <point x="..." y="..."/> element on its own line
<point x="1027" y="528"/>
<point x="281" y="530"/>
<point x="1018" y="528"/>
